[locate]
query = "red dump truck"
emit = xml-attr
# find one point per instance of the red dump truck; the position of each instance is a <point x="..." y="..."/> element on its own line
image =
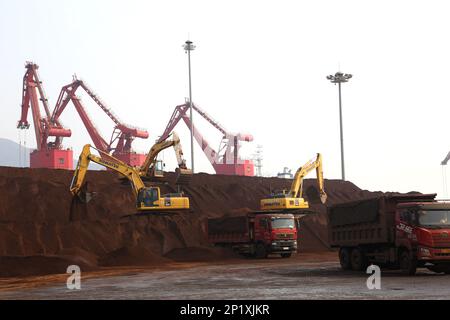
<point x="256" y="234"/>
<point x="402" y="231"/>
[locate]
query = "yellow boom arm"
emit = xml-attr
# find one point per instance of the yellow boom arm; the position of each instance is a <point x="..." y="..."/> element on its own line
<point x="147" y="198"/>
<point x="83" y="162"/>
<point x="293" y="199"/>
<point x="297" y="185"/>
<point x="150" y="161"/>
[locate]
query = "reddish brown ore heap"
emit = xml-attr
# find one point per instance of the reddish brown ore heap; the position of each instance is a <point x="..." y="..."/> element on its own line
<point x="42" y="230"/>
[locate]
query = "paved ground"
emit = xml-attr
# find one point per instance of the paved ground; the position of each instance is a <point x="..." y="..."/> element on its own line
<point x="300" y="277"/>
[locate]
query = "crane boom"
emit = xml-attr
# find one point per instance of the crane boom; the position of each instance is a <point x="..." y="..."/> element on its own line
<point x="68" y="93"/>
<point x="226" y="159"/>
<point x="123" y="134"/>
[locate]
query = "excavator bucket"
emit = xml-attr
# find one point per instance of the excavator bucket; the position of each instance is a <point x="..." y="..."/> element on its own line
<point x="85" y="197"/>
<point x="183" y="176"/>
<point x="323" y="197"/>
<point x="315" y="196"/>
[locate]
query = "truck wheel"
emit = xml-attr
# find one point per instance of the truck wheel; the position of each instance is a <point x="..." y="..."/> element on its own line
<point x="286" y="255"/>
<point x="261" y="251"/>
<point x="358" y="260"/>
<point x="408" y="264"/>
<point x="344" y="258"/>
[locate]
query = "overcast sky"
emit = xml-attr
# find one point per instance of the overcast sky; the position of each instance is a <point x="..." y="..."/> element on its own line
<point x="259" y="67"/>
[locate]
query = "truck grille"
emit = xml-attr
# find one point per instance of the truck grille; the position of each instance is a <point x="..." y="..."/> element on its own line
<point x="441" y="240"/>
<point x="285" y="236"/>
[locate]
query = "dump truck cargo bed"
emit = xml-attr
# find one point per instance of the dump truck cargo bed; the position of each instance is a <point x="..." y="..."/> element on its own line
<point x="370" y="221"/>
<point x="256" y="235"/>
<point x="228" y="230"/>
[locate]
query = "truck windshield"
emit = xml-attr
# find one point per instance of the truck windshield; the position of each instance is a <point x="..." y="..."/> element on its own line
<point x="282" y="223"/>
<point x="434" y="218"/>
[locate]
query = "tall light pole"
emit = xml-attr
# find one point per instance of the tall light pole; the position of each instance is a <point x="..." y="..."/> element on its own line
<point x="188" y="47"/>
<point x="339" y="78"/>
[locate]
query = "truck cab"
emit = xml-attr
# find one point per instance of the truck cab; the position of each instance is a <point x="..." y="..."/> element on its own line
<point x="255" y="234"/>
<point x="404" y="231"/>
<point x="423" y="229"/>
<point x="276" y="232"/>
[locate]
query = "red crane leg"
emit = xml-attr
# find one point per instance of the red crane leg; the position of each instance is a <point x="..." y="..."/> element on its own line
<point x="229" y="163"/>
<point x="98" y="141"/>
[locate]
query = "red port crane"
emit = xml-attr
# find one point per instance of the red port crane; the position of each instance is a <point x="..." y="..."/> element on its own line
<point x="123" y="134"/>
<point x="48" y="154"/>
<point x="224" y="161"/>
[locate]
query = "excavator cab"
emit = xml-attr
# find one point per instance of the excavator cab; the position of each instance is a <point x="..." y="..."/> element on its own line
<point x="279" y="194"/>
<point x="147" y="197"/>
<point x="159" y="169"/>
<point x="183" y="175"/>
<point x="150" y="198"/>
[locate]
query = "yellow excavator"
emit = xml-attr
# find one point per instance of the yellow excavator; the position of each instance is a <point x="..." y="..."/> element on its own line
<point x="147" y="198"/>
<point x="293" y="199"/>
<point x="153" y="168"/>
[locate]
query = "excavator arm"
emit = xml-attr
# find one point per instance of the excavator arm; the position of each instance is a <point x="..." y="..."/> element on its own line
<point x="150" y="161"/>
<point x="179" y="154"/>
<point x="149" y="167"/>
<point x="287" y="201"/>
<point x="86" y="157"/>
<point x="147" y="198"/>
<point x="297" y="185"/>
